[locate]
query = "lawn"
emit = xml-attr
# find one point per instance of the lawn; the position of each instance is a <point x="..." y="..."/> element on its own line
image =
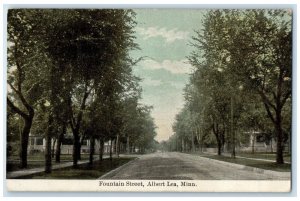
<point x="38" y="160"/>
<point x="41" y="156"/>
<point x="268" y="156"/>
<point x="14" y="166"/>
<point x="83" y="171"/>
<point x="252" y="163"/>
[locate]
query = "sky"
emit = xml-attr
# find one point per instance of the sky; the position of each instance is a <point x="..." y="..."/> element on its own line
<point x="163" y="36"/>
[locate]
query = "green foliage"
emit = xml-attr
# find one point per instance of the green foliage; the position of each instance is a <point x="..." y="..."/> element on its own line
<point x="242" y="77"/>
<point x="72" y="67"/>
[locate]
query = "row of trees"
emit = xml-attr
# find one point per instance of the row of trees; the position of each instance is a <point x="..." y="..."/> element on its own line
<point x="241" y="83"/>
<point x="70" y="70"/>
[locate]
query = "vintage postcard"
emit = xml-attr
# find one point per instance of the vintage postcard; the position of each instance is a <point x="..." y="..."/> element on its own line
<point x="149" y="100"/>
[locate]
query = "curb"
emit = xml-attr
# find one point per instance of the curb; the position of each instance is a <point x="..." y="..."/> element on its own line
<point x="114" y="171"/>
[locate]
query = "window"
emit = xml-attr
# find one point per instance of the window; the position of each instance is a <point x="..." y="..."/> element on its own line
<point x="260" y="138"/>
<point x="39" y="141"/>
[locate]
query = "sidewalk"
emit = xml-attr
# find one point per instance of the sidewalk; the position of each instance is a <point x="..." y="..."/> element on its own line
<point x="261" y="159"/>
<point x="257" y="159"/>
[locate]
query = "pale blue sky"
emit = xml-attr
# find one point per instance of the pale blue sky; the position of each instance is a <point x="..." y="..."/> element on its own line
<point x="163" y="36"/>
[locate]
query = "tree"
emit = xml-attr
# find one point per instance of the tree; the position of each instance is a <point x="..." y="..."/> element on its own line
<point x="90" y="60"/>
<point x="26" y="61"/>
<point x="263" y="49"/>
<point x="145" y="129"/>
<point x="241" y="55"/>
<point x="72" y="69"/>
<point x="253" y="49"/>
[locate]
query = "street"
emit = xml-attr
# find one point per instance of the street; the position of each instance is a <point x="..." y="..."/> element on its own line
<point x="180" y="166"/>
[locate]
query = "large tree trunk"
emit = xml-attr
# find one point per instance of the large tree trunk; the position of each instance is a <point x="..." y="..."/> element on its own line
<point x="24" y="138"/>
<point x="76" y="148"/>
<point x="79" y="151"/>
<point x="80" y="144"/>
<point x="279" y="132"/>
<point x="219" y="147"/>
<point x="127" y="145"/>
<point x="58" y="144"/>
<point x="48" y="165"/>
<point x="118" y="145"/>
<point x="218" y="136"/>
<point x="48" y="155"/>
<point x="110" y="149"/>
<point x="92" y="150"/>
<point x="280" y="99"/>
<point x="277" y="122"/>
<point x="101" y="149"/>
<point x="27" y="121"/>
<point x="75" y="125"/>
<point x="115" y="147"/>
<point x="53" y="148"/>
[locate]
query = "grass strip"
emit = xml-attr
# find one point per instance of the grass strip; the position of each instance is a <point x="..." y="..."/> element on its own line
<point x="253" y="163"/>
<point x="84" y="171"/>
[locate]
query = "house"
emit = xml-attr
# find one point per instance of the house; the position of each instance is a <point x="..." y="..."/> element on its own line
<point x="259" y="142"/>
<point x="38" y="144"/>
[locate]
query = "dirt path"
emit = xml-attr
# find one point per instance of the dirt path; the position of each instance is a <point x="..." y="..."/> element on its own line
<point x="179" y="166"/>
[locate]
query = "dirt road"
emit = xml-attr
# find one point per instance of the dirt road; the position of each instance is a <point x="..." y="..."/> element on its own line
<point x="180" y="166"/>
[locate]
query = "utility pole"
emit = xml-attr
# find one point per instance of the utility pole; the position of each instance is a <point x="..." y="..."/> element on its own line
<point x="193" y="130"/>
<point x="201" y="130"/>
<point x="193" y="141"/>
<point x="127" y="145"/>
<point x="232" y="129"/>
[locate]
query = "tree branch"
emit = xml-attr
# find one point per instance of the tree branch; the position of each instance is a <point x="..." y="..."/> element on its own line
<point x="18" y="66"/>
<point x="274" y="95"/>
<point x="71" y="115"/>
<point x="287" y="95"/>
<point x="75" y="124"/>
<point x="72" y="119"/>
<point x="269" y="112"/>
<point x="266" y="100"/>
<point x="23" y="100"/>
<point x="16" y="109"/>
